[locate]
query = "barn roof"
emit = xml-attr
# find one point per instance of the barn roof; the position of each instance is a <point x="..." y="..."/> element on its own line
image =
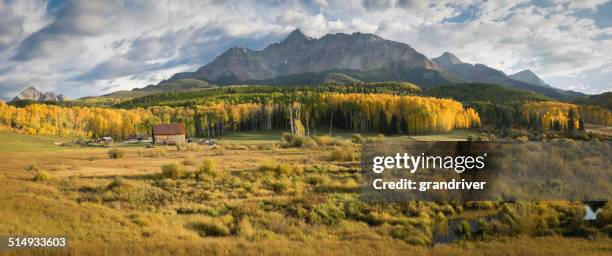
<point x="168" y="129"/>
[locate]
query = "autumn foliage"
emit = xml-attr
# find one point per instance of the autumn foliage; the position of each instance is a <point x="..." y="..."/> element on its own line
<point x="385" y="113"/>
<point x="563" y="116"/>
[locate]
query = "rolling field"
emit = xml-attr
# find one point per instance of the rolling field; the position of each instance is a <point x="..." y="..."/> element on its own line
<point x="249" y="195"/>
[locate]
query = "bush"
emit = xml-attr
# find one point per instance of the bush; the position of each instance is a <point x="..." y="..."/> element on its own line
<point x="377" y="138"/>
<point x="292" y="140"/>
<point x="173" y="171"/>
<point x="208" y="167"/>
<point x="464" y="230"/>
<point x="324" y="140"/>
<point x="356" y="138"/>
<point x="522" y="138"/>
<point x="281" y="169"/>
<point x="280" y="186"/>
<point x="342" y="154"/>
<point x="213" y="227"/>
<point x="189" y="161"/>
<point x="116" y="153"/>
<point x="245" y="229"/>
<point x="607" y="230"/>
<point x="116" y="183"/>
<point x="42" y="176"/>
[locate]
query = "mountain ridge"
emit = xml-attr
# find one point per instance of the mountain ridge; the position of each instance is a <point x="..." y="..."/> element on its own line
<point x="529" y="77"/>
<point x="358" y="57"/>
<point x="480" y="73"/>
<point x="33" y="94"/>
<point x="299" y="54"/>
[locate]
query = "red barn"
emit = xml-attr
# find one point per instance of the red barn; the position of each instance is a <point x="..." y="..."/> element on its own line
<point x="168" y="133"/>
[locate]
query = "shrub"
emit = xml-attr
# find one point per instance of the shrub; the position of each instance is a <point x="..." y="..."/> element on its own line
<point x="464" y="230"/>
<point x="281" y="169"/>
<point x="317" y="179"/>
<point x="116" y="153"/>
<point x="116" y="183"/>
<point x="292" y="140"/>
<point x="607" y="230"/>
<point x="208" y="167"/>
<point x="324" y="140"/>
<point x="189" y="161"/>
<point x="280" y="186"/>
<point x="522" y="138"/>
<point x="342" y="154"/>
<point x="377" y="138"/>
<point x="328" y="213"/>
<point x="212" y="227"/>
<point x="245" y="229"/>
<point x="42" y="176"/>
<point x="173" y="171"/>
<point x="604" y="218"/>
<point x="356" y="138"/>
<point x="139" y="220"/>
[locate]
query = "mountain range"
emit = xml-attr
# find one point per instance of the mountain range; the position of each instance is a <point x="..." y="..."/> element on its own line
<point x="356" y="57"/>
<point x="300" y="59"/>
<point x="33" y="94"/>
<point x="339" y="58"/>
<point x="479" y="73"/>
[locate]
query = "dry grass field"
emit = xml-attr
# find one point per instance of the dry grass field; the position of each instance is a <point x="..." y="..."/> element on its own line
<point x="242" y="197"/>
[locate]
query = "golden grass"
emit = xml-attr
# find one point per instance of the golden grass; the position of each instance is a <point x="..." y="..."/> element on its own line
<point x="142" y="214"/>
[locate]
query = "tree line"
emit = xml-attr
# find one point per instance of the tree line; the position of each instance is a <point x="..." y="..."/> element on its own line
<point x="541" y="115"/>
<point x="301" y="113"/>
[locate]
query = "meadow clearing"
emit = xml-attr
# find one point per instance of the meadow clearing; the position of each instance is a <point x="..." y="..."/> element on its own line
<point x="252" y="195"/>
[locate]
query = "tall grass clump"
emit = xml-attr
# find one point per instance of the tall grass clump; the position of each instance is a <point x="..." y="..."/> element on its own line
<point x="208" y="167"/>
<point x="189" y="161"/>
<point x="117" y="182"/>
<point x="42" y="176"/>
<point x="281" y="169"/>
<point x="173" y="171"/>
<point x="116" y="153"/>
<point x="356" y="138"/>
<point x="210" y="227"/>
<point x="342" y="154"/>
<point x="289" y="140"/>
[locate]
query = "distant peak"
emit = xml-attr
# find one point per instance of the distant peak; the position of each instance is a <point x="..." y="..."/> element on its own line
<point x="529" y="77"/>
<point x="447" y="59"/>
<point x="451" y="57"/>
<point x="527" y="72"/>
<point x="34" y="94"/>
<point x="296" y="36"/>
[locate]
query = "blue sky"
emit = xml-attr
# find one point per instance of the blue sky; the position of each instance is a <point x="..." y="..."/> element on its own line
<point x="83" y="48"/>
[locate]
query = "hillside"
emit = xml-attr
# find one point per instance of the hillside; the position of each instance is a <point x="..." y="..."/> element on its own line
<point x="603" y="100"/>
<point x="176" y="85"/>
<point x="248" y="93"/>
<point x="470" y="92"/>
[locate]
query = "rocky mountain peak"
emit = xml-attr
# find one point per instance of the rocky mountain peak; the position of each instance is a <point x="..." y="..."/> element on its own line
<point x="447" y="59"/>
<point x="527" y="76"/>
<point x="34" y="94"/>
<point x="297" y="36"/>
<point x="299" y="54"/>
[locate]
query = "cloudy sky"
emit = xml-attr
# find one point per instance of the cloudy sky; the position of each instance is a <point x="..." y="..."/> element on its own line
<point x="82" y="48"/>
